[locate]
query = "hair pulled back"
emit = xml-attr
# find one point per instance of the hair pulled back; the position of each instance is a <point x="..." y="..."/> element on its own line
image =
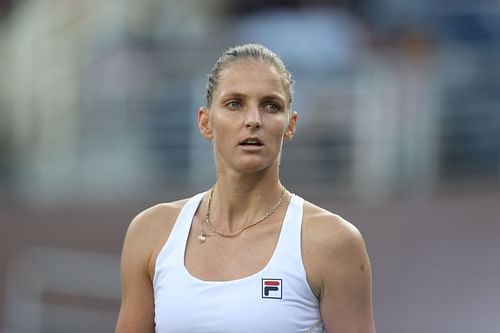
<point x="248" y="52"/>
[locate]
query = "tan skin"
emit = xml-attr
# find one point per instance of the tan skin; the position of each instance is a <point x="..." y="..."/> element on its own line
<point x="334" y="254"/>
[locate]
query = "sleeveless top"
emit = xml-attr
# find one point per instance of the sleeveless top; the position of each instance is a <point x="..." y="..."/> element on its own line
<point x="277" y="299"/>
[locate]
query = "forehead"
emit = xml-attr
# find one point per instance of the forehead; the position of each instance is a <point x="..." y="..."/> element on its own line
<point x="250" y="77"/>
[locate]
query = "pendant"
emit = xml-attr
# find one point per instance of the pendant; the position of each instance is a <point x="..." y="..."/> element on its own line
<point x="202" y="238"/>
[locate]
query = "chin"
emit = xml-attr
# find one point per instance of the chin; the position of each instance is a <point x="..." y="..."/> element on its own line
<point x="254" y="166"/>
<point x="247" y="164"/>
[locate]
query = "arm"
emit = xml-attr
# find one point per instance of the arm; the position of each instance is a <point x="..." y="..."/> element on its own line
<point x="345" y="299"/>
<point x="338" y="271"/>
<point x="137" y="307"/>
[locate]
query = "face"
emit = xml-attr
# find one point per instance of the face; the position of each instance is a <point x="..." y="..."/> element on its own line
<point x="249" y="118"/>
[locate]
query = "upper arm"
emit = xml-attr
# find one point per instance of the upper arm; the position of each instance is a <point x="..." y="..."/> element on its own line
<point x="137" y="305"/>
<point x="339" y="272"/>
<point x="346" y="301"/>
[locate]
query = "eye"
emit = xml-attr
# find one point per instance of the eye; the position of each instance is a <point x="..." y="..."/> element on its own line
<point x="233" y="105"/>
<point x="272" y="107"/>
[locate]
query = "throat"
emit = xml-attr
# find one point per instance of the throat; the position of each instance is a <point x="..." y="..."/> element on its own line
<point x="235" y="230"/>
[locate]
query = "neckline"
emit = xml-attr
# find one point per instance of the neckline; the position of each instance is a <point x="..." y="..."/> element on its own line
<point x="286" y="222"/>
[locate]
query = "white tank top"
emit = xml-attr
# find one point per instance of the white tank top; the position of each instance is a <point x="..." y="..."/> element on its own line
<point x="276" y="299"/>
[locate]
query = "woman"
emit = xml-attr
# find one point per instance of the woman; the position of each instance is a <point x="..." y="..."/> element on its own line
<point x="246" y="256"/>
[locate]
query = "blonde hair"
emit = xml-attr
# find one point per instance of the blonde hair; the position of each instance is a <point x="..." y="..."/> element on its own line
<point x="252" y="52"/>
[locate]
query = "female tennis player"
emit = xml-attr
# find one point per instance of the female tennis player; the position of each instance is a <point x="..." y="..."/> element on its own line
<point x="246" y="255"/>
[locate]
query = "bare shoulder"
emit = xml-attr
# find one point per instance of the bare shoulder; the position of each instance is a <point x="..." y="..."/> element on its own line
<point x="147" y="232"/>
<point x="328" y="230"/>
<point x="338" y="270"/>
<point x="150" y="229"/>
<point x="158" y="216"/>
<point x="331" y="246"/>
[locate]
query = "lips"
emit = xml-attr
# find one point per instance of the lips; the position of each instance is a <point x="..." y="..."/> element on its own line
<point x="251" y="142"/>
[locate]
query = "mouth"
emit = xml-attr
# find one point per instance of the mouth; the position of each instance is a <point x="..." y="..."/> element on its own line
<point x="251" y="142"/>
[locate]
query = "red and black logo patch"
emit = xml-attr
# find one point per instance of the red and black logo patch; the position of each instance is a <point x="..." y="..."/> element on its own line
<point x="272" y="288"/>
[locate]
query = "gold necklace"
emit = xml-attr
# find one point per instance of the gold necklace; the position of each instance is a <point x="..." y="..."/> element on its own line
<point x="203" y="236"/>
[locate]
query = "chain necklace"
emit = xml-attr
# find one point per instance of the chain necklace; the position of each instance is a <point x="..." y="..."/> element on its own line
<point x="203" y="236"/>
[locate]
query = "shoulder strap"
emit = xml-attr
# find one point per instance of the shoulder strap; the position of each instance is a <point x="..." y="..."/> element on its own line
<point x="176" y="242"/>
<point x="288" y="248"/>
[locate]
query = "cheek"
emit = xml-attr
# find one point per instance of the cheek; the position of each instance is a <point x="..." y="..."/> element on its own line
<point x="226" y="122"/>
<point x="282" y="127"/>
<point x="219" y="130"/>
<point x="221" y="133"/>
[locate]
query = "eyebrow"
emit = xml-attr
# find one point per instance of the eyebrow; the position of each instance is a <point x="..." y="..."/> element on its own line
<point x="227" y="95"/>
<point x="230" y="94"/>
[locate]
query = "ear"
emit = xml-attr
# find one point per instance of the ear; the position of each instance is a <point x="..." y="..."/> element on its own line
<point x="204" y="123"/>
<point x="292" y="125"/>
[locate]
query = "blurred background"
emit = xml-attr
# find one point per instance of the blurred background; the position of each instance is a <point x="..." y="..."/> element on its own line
<point x="399" y="132"/>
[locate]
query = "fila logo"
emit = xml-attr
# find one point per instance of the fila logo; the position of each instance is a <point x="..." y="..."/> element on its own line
<point x="272" y="288"/>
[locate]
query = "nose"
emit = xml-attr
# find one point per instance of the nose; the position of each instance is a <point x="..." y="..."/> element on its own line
<point x="253" y="118"/>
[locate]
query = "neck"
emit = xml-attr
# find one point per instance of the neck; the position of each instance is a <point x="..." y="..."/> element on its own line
<point x="239" y="200"/>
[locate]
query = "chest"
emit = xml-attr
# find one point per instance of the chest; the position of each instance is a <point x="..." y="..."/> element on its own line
<point x="222" y="259"/>
<point x="255" y="282"/>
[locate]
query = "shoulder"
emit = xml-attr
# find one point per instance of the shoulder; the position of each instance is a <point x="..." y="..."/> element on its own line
<point x="331" y="245"/>
<point x="338" y="270"/>
<point x="326" y="229"/>
<point x="158" y="216"/>
<point x="149" y="230"/>
<point x="145" y="233"/>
